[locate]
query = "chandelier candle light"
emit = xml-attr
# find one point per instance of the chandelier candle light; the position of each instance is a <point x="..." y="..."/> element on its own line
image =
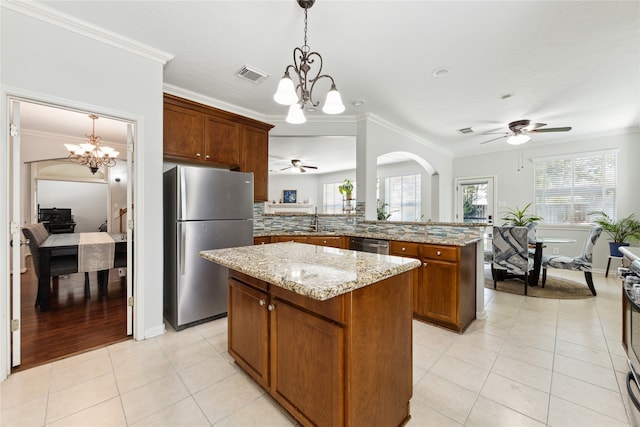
<point x="296" y="96"/>
<point x="91" y="153"/>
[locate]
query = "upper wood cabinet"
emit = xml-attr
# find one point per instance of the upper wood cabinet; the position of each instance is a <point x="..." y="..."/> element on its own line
<point x="254" y="157"/>
<point x="199" y="134"/>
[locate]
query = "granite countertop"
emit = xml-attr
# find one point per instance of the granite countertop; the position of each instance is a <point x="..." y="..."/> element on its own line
<point x="401" y="237"/>
<point x="631" y="252"/>
<point x="316" y="272"/>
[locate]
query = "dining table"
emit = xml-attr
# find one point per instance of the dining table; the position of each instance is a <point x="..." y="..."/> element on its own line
<point x="539" y="245"/>
<point x="80" y="252"/>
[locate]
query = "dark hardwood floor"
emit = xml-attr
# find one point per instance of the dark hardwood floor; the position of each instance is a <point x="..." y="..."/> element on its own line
<point x="74" y="324"/>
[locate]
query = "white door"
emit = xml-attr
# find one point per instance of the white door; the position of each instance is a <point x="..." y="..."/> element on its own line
<point x="475" y="201"/>
<point x="129" y="228"/>
<point x="16" y="233"/>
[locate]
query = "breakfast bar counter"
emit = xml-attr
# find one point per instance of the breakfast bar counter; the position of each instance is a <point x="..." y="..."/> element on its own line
<point x="326" y="332"/>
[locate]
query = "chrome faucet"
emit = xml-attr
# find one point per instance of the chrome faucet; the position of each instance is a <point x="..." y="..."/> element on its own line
<point x="314" y="225"/>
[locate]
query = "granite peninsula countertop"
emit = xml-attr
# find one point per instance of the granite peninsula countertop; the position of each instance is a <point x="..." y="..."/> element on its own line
<point x="316" y="272"/>
<point x="401" y="237"/>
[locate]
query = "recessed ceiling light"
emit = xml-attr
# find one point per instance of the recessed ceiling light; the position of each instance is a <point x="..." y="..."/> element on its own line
<point x="440" y="72"/>
<point x="357" y="102"/>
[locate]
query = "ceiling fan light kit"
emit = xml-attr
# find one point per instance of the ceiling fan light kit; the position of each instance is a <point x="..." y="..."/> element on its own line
<point x="297" y="96"/>
<point x="518" y="139"/>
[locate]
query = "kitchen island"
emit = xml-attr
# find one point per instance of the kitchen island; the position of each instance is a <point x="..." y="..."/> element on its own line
<point x="326" y="331"/>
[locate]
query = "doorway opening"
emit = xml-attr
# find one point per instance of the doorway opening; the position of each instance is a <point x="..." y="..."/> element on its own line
<point x="84" y="314"/>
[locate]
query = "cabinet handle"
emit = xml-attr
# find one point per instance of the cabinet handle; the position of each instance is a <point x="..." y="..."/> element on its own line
<point x="207" y="156"/>
<point x="271" y="307"/>
<point x="438" y="253"/>
<point x="325" y="242"/>
<point x="262" y="301"/>
<point x="197" y="154"/>
<point x="424" y="264"/>
<point x="404" y="249"/>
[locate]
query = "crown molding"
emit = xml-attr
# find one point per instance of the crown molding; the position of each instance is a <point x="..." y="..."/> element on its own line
<point x="59" y="19"/>
<point x="397" y="129"/>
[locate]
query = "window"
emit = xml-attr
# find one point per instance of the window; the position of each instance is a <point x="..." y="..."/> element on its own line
<point x="568" y="188"/>
<point x="402" y="194"/>
<point x="332" y="199"/>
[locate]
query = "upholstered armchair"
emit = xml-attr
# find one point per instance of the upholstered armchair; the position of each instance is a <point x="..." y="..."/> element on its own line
<point x="511" y="252"/>
<point x="582" y="262"/>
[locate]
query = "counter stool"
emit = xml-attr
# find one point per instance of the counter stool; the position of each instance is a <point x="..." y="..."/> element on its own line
<point x="609" y="263"/>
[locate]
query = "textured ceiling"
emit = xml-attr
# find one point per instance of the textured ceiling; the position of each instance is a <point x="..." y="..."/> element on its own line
<point x="564" y="63"/>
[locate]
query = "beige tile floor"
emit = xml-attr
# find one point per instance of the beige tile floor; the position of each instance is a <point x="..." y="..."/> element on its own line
<point x="532" y="362"/>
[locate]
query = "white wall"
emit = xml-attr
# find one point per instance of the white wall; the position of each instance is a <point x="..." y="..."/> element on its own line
<point x="307" y="186"/>
<point x="87" y="201"/>
<point x="40" y="60"/>
<point x="516" y="188"/>
<point x="377" y="137"/>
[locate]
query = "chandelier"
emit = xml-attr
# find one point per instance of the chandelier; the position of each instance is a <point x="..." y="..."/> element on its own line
<point x="298" y="95"/>
<point x="91" y="153"/>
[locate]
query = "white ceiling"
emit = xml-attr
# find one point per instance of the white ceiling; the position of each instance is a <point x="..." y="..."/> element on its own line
<point x="564" y="63"/>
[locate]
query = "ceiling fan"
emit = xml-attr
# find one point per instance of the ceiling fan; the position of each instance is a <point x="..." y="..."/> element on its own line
<point x="520" y="130"/>
<point x="297" y="164"/>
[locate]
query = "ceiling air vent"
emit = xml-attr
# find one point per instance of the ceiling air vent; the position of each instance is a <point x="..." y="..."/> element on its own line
<point x="252" y="74"/>
<point x="465" y="131"/>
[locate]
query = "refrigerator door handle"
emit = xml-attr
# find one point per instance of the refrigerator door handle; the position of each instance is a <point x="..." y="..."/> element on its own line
<point x="183" y="191"/>
<point x="183" y="238"/>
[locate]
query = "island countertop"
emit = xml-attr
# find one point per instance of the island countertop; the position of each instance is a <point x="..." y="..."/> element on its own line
<point x="317" y="272"/>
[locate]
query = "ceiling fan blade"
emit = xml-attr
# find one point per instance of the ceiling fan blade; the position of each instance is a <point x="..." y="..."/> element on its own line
<point x="532" y="126"/>
<point x="563" y="129"/>
<point x="283" y="169"/>
<point x="495" y="139"/>
<point x="309" y="167"/>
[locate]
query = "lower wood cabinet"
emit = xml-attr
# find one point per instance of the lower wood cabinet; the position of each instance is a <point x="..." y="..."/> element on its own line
<point x="331" y="241"/>
<point x="346" y="361"/>
<point x="445" y="286"/>
<point x="261" y="240"/>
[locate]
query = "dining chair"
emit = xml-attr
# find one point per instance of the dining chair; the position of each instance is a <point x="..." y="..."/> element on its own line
<point x="582" y="262"/>
<point x="36" y="234"/>
<point x="511" y="253"/>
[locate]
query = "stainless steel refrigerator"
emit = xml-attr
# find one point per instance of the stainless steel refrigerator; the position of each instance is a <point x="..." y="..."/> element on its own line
<point x="204" y="208"/>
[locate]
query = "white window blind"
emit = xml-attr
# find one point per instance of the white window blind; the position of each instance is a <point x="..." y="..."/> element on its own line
<point x="568" y="188"/>
<point x="402" y="194"/>
<point x="332" y="199"/>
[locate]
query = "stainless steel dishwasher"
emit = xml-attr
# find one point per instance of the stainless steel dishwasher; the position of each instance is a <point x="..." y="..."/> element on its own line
<point x="365" y="244"/>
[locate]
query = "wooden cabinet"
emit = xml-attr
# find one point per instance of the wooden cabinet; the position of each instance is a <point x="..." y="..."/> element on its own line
<point x="445" y="285"/>
<point x="248" y="325"/>
<point x="331" y="241"/>
<point x="343" y="361"/>
<point x="221" y="141"/>
<point x="254" y="155"/>
<point x="203" y="135"/>
<point x="298" y="239"/>
<point x="183" y="133"/>
<point x="261" y="240"/>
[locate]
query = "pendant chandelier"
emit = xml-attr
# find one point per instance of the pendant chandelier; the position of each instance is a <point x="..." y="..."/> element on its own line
<point x="298" y="95"/>
<point x="91" y="153"/>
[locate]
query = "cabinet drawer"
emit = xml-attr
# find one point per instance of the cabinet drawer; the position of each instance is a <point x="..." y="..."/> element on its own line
<point x="261" y="240"/>
<point x="299" y="239"/>
<point x="403" y="249"/>
<point x="325" y="241"/>
<point x="333" y="308"/>
<point x="445" y="253"/>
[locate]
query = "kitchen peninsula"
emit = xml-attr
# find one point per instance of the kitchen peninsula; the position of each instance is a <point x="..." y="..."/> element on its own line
<point x="326" y="331"/>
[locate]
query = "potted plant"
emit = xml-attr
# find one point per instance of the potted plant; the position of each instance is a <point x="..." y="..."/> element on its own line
<point x="519" y="217"/>
<point x="346" y="189"/>
<point x="382" y="212"/>
<point x="620" y="231"/>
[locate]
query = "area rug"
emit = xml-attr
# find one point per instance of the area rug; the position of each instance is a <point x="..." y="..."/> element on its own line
<point x="554" y="287"/>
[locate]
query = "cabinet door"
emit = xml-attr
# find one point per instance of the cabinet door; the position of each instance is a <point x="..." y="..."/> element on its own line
<point x="307" y="365"/>
<point x="183" y="132"/>
<point x="249" y="330"/>
<point x="254" y="157"/>
<point x="439" y="291"/>
<point x="221" y="141"/>
<point x="330" y="241"/>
